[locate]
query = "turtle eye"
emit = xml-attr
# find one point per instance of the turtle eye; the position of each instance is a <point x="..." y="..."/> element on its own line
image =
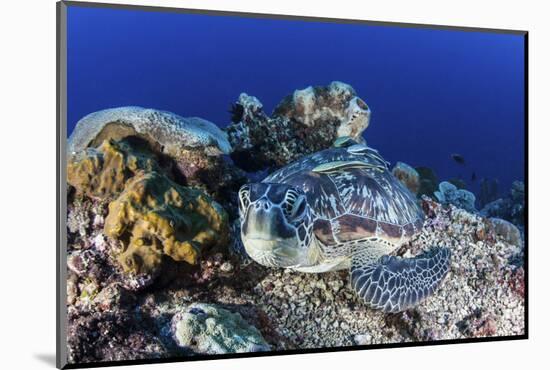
<point x="299" y="207"/>
<point x="294" y="204"/>
<point x="244" y="198"/>
<point x="288" y="203"/>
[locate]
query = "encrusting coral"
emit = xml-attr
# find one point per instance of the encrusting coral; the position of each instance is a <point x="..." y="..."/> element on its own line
<point x="154" y="217"/>
<point x="102" y="172"/>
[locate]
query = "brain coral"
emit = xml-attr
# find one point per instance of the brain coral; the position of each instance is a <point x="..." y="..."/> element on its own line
<point x="154" y="217"/>
<point x="102" y="172"/>
<point x="209" y="329"/>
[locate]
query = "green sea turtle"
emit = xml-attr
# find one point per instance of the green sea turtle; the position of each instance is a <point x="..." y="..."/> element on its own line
<point x="341" y="208"/>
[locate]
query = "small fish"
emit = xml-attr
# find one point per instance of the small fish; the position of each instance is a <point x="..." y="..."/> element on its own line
<point x="474" y="177"/>
<point x="458" y="158"/>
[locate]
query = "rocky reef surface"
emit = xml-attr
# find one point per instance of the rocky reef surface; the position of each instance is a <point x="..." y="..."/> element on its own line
<point x="510" y="208"/>
<point x="156" y="269"/>
<point x="304" y="122"/>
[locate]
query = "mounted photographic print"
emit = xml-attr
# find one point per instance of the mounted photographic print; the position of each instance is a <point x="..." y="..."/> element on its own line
<point x="235" y="184"/>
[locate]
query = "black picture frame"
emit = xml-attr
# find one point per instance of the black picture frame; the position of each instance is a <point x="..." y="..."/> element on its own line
<point x="61" y="71"/>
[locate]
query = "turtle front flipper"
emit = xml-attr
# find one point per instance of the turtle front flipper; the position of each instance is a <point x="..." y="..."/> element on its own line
<point x="394" y="284"/>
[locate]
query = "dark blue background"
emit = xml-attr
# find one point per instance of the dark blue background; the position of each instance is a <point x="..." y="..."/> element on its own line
<point x="432" y="92"/>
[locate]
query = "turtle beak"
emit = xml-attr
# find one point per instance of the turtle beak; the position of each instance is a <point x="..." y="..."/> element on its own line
<point x="267" y="237"/>
<point x="273" y="253"/>
<point x="265" y="222"/>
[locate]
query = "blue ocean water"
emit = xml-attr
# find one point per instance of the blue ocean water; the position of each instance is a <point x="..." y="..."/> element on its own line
<point x="431" y="92"/>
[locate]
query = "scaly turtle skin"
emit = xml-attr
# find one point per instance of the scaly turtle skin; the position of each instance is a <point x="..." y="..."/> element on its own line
<point x="341" y="208"/>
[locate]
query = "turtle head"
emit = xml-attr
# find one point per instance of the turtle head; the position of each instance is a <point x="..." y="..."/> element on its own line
<point x="276" y="224"/>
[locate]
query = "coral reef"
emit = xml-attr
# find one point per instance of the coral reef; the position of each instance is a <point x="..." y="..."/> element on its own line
<point x="102" y="172"/>
<point x="305" y="122"/>
<point x="510" y="208"/>
<point x="209" y="329"/>
<point x="408" y="176"/>
<point x="450" y="194"/>
<point x="154" y="217"/>
<point x="428" y="181"/>
<point x="151" y="215"/>
<point x="190" y="150"/>
<point x="138" y="207"/>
